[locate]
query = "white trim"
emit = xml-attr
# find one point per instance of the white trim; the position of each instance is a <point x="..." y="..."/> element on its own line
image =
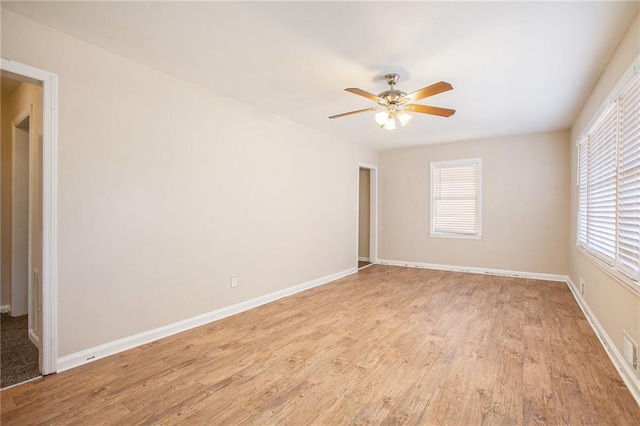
<point x="49" y="277"/>
<point x="34" y="338"/>
<point x="457" y="236"/>
<point x="475" y="270"/>
<point x="5" y="309"/>
<point x="624" y="80"/>
<point x="363" y="259"/>
<point x="624" y="369"/>
<point x="92" y="354"/>
<point x="373" y="216"/>
<point x="33" y="142"/>
<point x="22" y="383"/>
<point x="616" y="274"/>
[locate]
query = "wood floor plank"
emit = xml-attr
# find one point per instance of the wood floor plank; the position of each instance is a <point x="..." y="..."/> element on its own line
<point x="388" y="345"/>
<point x="7" y="404"/>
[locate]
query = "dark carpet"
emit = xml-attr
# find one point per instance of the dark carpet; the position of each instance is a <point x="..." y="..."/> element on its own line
<point x="19" y="357"/>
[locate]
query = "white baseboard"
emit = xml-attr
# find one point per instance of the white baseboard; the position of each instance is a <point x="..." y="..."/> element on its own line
<point x="475" y="270"/>
<point x="34" y="338"/>
<point x="363" y="259"/>
<point x="624" y="369"/>
<point x="92" y="354"/>
<point x="5" y="309"/>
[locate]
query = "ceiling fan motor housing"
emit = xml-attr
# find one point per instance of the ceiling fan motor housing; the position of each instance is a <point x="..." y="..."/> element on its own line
<point x="392" y="96"/>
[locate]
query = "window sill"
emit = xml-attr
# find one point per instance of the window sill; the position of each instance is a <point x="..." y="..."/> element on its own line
<point x="618" y="276"/>
<point x="457" y="236"/>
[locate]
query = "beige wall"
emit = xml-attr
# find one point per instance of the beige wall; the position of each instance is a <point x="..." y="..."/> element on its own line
<point x="364" y="223"/>
<point x="25" y="96"/>
<point x="525" y="186"/>
<point x="616" y="307"/>
<point x="167" y="189"/>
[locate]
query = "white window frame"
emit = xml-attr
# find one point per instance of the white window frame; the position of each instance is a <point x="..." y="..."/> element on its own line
<point x="603" y="262"/>
<point x="477" y="162"/>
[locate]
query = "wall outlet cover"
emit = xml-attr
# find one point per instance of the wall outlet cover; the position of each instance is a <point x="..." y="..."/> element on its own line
<point x="630" y="350"/>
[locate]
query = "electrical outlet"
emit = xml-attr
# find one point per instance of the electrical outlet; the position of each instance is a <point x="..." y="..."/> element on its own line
<point x="581" y="286"/>
<point x="234" y="281"/>
<point x="339" y="258"/>
<point x="630" y="350"/>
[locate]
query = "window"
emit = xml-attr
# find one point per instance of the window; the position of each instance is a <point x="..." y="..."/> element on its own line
<point x="609" y="184"/>
<point x="456" y="198"/>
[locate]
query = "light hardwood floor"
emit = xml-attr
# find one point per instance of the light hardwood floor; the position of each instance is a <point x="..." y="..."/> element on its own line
<point x="387" y="345"/>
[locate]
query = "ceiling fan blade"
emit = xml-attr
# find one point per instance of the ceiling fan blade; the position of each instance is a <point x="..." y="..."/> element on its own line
<point x="426" y="109"/>
<point x="374" y="98"/>
<point x="353" y="112"/>
<point x="425" y="92"/>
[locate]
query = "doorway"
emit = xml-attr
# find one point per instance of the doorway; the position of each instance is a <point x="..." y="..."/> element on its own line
<point x="29" y="288"/>
<point x="21" y="230"/>
<point x="367" y="229"/>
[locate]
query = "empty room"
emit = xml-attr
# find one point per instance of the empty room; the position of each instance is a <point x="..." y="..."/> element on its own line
<point x="320" y="212"/>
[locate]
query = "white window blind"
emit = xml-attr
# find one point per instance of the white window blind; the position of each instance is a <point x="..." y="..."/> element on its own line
<point x="582" y="183"/>
<point x="456" y="198"/>
<point x="601" y="186"/>
<point x="609" y="184"/>
<point x="629" y="180"/>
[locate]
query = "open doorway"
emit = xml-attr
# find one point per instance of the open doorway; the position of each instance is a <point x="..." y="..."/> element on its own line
<point x="21" y="232"/>
<point x="20" y="80"/>
<point x="367" y="215"/>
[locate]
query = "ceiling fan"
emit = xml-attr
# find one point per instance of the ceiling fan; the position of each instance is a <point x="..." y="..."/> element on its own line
<point x="395" y="104"/>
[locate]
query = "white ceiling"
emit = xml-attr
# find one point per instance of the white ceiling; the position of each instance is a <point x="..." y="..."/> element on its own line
<point x="516" y="67"/>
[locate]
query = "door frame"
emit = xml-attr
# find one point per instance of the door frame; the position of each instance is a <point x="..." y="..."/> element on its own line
<point x="49" y="273"/>
<point x="15" y="122"/>
<point x="373" y="215"/>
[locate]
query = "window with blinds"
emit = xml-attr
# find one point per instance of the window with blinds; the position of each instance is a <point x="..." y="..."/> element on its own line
<point x="456" y="194"/>
<point x="609" y="184"/>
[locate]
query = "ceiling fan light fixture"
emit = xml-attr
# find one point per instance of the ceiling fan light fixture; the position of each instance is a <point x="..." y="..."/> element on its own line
<point x="404" y="118"/>
<point x="382" y="117"/>
<point x="390" y="124"/>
